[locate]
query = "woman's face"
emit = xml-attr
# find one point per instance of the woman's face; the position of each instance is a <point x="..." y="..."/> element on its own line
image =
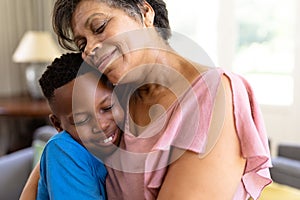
<point x="111" y="40"/>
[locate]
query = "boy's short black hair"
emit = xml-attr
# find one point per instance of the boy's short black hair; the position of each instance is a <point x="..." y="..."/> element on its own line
<point x="65" y="69"/>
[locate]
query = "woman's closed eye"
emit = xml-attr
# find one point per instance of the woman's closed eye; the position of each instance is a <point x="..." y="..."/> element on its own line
<point x="100" y="28"/>
<point x="81" y="45"/>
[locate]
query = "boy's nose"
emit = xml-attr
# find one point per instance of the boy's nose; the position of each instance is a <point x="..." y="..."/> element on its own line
<point x="103" y="124"/>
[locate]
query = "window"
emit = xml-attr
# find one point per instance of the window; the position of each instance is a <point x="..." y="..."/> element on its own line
<point x="194" y="23"/>
<point x="254" y="38"/>
<point x="265" y="48"/>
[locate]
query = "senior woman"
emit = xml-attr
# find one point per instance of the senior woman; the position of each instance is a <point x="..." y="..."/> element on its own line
<point x="191" y="132"/>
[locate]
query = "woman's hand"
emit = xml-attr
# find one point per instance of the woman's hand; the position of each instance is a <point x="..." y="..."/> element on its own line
<point x="30" y="189"/>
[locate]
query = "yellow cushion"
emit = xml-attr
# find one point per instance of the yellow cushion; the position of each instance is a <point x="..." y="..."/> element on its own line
<point x="277" y="191"/>
<point x="38" y="146"/>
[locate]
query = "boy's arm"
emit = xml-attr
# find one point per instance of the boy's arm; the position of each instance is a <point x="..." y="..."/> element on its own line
<point x="65" y="167"/>
<point x="30" y="189"/>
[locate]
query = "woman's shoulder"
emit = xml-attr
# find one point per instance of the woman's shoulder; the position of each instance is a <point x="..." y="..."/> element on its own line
<point x="213" y="77"/>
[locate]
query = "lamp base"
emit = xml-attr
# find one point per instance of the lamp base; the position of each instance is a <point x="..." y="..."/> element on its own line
<point x="33" y="73"/>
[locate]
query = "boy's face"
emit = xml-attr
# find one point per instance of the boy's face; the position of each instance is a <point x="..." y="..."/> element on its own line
<point x="87" y="110"/>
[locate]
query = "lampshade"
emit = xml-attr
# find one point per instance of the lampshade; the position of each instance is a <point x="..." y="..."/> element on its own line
<point x="36" y="47"/>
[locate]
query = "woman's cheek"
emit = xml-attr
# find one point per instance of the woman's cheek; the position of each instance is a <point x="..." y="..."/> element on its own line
<point x="118" y="116"/>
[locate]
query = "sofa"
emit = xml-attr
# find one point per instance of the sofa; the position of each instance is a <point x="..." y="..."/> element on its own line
<point x="15" y="167"/>
<point x="286" y="165"/>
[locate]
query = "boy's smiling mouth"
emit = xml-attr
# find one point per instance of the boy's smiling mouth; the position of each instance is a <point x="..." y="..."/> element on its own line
<point x="109" y="139"/>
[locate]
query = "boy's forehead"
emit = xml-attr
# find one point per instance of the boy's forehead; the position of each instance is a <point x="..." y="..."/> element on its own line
<point x="86" y="81"/>
<point x="82" y="85"/>
<point x="61" y="104"/>
<point x="88" y="87"/>
<point x="81" y="90"/>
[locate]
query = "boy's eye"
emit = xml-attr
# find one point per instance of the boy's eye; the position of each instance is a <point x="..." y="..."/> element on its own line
<point x="107" y="109"/>
<point x="81" y="119"/>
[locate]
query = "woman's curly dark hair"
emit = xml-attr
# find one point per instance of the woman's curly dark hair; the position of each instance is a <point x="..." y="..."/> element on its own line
<point x="64" y="9"/>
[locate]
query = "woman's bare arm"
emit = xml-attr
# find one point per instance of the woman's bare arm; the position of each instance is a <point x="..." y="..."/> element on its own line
<point x="218" y="174"/>
<point x="30" y="189"/>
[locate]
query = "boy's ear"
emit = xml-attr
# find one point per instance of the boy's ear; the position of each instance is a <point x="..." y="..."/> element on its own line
<point x="55" y="122"/>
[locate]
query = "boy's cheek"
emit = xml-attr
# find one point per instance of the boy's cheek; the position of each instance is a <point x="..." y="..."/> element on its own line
<point x="81" y="133"/>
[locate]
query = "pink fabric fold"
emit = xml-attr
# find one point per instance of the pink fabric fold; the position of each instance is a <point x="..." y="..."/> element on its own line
<point x="185" y="125"/>
<point x="254" y="145"/>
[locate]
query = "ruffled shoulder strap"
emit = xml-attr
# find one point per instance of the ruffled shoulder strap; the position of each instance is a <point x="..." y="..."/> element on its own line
<point x="253" y="136"/>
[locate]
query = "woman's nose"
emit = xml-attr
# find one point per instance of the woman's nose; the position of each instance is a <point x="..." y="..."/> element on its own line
<point x="90" y="51"/>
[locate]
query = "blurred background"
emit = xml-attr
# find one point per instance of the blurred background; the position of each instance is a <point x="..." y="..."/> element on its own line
<point x="27" y="45"/>
<point x="257" y="39"/>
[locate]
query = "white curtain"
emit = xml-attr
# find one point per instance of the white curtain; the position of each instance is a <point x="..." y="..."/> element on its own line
<point x="16" y="17"/>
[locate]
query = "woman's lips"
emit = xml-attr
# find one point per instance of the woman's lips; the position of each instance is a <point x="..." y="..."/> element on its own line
<point x="105" y="60"/>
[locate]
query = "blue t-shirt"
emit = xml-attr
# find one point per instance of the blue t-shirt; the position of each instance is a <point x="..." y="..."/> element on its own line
<point x="69" y="171"/>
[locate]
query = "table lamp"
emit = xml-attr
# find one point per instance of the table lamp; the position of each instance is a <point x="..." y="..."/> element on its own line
<point x="37" y="49"/>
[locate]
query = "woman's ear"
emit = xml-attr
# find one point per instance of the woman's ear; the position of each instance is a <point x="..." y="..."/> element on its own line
<point x="147" y="14"/>
<point x="55" y="122"/>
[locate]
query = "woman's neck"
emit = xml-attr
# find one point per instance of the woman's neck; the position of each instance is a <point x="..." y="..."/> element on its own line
<point x="164" y="82"/>
<point x="147" y="104"/>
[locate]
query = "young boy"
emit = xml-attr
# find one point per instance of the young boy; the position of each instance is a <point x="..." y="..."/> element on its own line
<point x="86" y="115"/>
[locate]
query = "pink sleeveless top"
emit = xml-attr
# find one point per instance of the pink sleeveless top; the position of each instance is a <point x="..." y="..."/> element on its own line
<point x="137" y="169"/>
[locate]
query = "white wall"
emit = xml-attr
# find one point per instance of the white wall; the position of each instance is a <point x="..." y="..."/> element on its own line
<point x="283" y="123"/>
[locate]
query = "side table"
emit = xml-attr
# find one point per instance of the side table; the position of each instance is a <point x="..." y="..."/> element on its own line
<point x="19" y="117"/>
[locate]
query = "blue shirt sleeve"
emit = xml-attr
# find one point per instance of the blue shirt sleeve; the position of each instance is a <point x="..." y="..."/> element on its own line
<point x="69" y="171"/>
